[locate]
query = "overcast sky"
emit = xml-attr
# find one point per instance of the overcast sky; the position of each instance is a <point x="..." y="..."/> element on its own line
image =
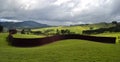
<point x="60" y="12"/>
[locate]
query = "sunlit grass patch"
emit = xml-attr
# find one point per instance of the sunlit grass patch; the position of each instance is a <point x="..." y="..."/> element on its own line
<point x="28" y="36"/>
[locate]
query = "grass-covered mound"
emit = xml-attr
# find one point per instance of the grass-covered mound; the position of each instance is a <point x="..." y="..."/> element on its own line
<point x="28" y="36"/>
<point x="29" y="42"/>
<point x="62" y="51"/>
<point x="110" y="34"/>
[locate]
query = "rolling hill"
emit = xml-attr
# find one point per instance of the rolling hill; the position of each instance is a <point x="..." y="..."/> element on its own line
<point x="78" y="29"/>
<point x="24" y="24"/>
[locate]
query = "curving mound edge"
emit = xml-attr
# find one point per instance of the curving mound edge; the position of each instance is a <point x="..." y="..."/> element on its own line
<point x="24" y="42"/>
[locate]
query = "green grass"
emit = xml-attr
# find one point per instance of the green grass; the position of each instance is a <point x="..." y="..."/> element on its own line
<point x="76" y="29"/>
<point x="3" y="39"/>
<point x="111" y="34"/>
<point x="100" y="25"/>
<point x="28" y="36"/>
<point x="62" y="51"/>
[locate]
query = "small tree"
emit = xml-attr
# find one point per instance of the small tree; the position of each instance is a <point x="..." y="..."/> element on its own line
<point x="28" y="31"/>
<point x="57" y="31"/>
<point x="1" y="28"/>
<point x="12" y="31"/>
<point x="114" y="22"/>
<point x="62" y="32"/>
<point x="23" y="31"/>
<point x="65" y="31"/>
<point x="91" y="28"/>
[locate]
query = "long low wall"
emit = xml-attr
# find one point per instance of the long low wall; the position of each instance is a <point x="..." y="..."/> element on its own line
<point x="41" y="41"/>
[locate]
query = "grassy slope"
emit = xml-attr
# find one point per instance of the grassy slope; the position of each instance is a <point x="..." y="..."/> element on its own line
<point x="77" y="29"/>
<point x="100" y="25"/>
<point x="62" y="51"/>
<point x="112" y="34"/>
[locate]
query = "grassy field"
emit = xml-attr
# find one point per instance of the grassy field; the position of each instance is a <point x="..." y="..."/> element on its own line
<point x="76" y="29"/>
<point x="62" y="51"/>
<point x="99" y="25"/>
<point x="112" y="34"/>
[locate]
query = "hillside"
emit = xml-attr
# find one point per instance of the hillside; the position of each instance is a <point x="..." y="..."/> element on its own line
<point x="24" y="24"/>
<point x="78" y="29"/>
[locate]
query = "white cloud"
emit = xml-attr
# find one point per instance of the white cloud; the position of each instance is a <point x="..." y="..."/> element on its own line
<point x="60" y="2"/>
<point x="73" y="23"/>
<point x="9" y="20"/>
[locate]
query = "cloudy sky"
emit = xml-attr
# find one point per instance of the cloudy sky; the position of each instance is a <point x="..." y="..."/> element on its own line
<point x="60" y="12"/>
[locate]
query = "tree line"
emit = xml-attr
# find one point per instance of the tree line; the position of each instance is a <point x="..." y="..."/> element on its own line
<point x="102" y="30"/>
<point x="1" y="28"/>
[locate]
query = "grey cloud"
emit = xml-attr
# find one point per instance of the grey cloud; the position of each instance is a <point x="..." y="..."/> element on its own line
<point x="70" y="11"/>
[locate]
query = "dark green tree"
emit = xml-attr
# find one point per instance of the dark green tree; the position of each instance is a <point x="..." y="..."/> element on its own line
<point x="114" y="22"/>
<point x="91" y="28"/>
<point x="57" y="31"/>
<point x="1" y="28"/>
<point x="23" y="31"/>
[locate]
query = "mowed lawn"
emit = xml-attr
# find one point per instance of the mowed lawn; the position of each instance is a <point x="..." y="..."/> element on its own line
<point x="61" y="51"/>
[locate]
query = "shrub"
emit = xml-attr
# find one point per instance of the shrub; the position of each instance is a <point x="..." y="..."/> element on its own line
<point x="23" y="31"/>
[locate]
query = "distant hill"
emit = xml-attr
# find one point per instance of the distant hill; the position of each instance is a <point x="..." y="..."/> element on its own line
<point x="97" y="25"/>
<point x="78" y="29"/>
<point x="24" y="24"/>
